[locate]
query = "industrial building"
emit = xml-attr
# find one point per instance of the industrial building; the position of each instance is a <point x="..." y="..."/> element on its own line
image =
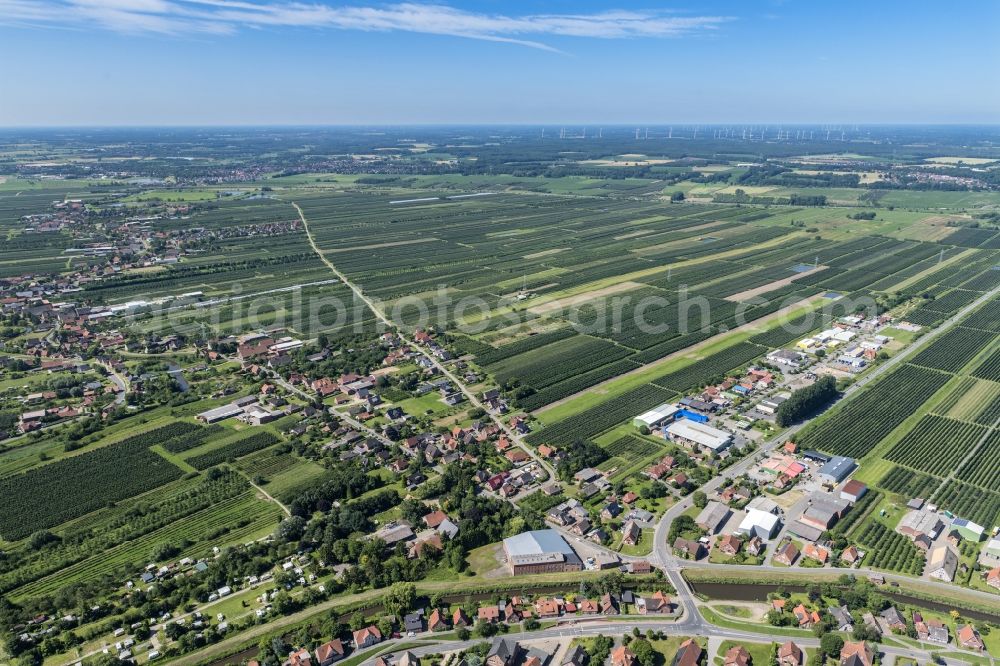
<point x="540" y="551"/>
<point x="759" y="523"/>
<point x="657" y="417"/>
<point x="786" y="357"/>
<point x="713" y="517"/>
<point x="699" y="434"/>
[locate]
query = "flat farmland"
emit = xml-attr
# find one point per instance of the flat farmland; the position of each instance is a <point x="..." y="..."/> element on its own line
<point x="397" y="247"/>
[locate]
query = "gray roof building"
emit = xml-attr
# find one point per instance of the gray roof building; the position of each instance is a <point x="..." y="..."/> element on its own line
<point x="837" y="469"/>
<point x="539" y="548"/>
<point x="713" y="517"/>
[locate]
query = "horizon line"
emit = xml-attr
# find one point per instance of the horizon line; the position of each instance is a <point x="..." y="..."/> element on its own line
<point x="546" y="124"/>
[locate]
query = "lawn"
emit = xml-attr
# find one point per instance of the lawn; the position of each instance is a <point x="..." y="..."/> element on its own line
<point x="713" y="617"/>
<point x="760" y="653"/>
<point x="484" y="559"/>
<point x="592" y="397"/>
<point x="429" y="403"/>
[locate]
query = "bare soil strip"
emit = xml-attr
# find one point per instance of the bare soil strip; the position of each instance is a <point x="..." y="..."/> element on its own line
<point x="770" y="286"/>
<point x="570" y="301"/>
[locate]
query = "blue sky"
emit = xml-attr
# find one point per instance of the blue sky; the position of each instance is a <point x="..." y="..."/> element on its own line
<point x="184" y="62"/>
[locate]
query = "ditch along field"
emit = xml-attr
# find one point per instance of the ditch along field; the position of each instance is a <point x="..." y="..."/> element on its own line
<point x="138" y="487"/>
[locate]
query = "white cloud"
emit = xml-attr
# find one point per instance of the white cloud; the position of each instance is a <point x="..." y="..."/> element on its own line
<point x="227" y="16"/>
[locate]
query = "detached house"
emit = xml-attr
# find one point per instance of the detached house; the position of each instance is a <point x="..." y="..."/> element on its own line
<point x="367" y="637"/>
<point x="789" y="654"/>
<point x="329" y="652"/>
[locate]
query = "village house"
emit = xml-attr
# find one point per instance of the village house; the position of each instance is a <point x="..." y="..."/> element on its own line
<point x="730" y="544"/>
<point x="631" y="534"/>
<point x="656" y="603"/>
<point x="805" y="617"/>
<point x="366" y="637"/>
<point x="689" y="549"/>
<point x="787" y="554"/>
<point x="993" y="578"/>
<point x="300" y="658"/>
<point x="856" y="653"/>
<point x="842" y="618"/>
<point x="622" y="656"/>
<point x="546" y="608"/>
<point x="817" y="553"/>
<point x="850" y="555"/>
<point x="969" y="638"/>
<point x="489" y="614"/>
<point x="329" y="652"/>
<point x="437" y="621"/>
<point x="789" y="654"/>
<point x="737" y="656"/>
<point x="503" y="652"/>
<point x="688" y="654"/>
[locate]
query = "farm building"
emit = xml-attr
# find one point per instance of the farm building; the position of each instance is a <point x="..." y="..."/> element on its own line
<point x="258" y="415"/>
<point x="816" y="456"/>
<point x="922" y="526"/>
<point x="942" y="563"/>
<point x="821" y="514"/>
<point x="657" y="417"/>
<point x="853" y="490"/>
<point x="990" y="555"/>
<point x="837" y="469"/>
<point x="539" y="551"/>
<point x="699" y="434"/>
<point x="220" y="413"/>
<point x="967" y="529"/>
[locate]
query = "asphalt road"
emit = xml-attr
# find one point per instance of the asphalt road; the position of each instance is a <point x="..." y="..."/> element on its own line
<point x="577" y="628"/>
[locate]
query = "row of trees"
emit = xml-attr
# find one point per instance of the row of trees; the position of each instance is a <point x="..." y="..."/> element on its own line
<point x="807" y="401"/>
